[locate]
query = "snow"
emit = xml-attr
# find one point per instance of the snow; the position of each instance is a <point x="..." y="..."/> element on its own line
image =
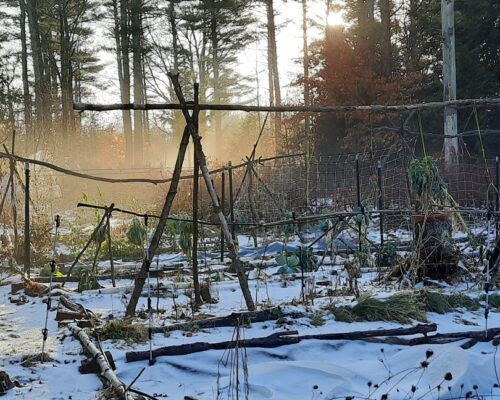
<point x="311" y="369"/>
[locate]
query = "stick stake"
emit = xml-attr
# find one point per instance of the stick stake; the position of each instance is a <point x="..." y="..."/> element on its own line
<point x="196" y="281"/>
<point x="222" y="205"/>
<point x="381" y="204"/>
<point x="497" y="187"/>
<point x="150" y="309"/>
<point x="231" y="199"/>
<point x="27" y="260"/>
<point x="489" y="259"/>
<point x="52" y="270"/>
<point x="358" y="194"/>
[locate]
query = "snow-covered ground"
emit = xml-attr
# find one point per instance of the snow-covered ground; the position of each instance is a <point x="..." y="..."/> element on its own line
<point x="311" y="369"/>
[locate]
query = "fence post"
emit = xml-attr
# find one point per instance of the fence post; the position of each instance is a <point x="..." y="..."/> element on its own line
<point x="497" y="196"/>
<point x="196" y="281"/>
<point x="358" y="194"/>
<point x="231" y="200"/>
<point x="27" y="259"/>
<point x="381" y="204"/>
<point x="223" y="204"/>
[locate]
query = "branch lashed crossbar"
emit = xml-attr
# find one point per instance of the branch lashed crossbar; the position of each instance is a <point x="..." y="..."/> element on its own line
<point x="287" y="108"/>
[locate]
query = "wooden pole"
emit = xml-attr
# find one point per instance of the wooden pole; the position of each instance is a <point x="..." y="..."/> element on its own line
<point x="196" y="281"/>
<point x="91" y="239"/>
<point x="223" y="205"/>
<point x="251" y="202"/>
<point x="231" y="199"/>
<point x="111" y="261"/>
<point x="497" y="205"/>
<point x="381" y="203"/>
<point x="192" y="123"/>
<point x="27" y="259"/>
<point x="358" y="194"/>
<point x="155" y="241"/>
<point x="289" y="108"/>
<point x="449" y="80"/>
<point x="13" y="192"/>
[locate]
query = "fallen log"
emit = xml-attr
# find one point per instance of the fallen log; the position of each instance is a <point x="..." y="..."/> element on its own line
<point x="420" y="328"/>
<point x="441" y="338"/>
<point x="62" y="315"/>
<point x="218" y="322"/>
<point x="275" y="340"/>
<point x="481" y="336"/>
<point x="106" y="373"/>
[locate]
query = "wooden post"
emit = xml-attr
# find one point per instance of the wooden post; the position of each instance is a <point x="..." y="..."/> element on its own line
<point x="381" y="204"/>
<point x="358" y="194"/>
<point x="13" y="192"/>
<point x="27" y="260"/>
<point x="449" y="80"/>
<point x="196" y="281"/>
<point x="231" y="198"/>
<point x="497" y="205"/>
<point x="192" y="125"/>
<point x="111" y="261"/>
<point x="155" y="241"/>
<point x="223" y="205"/>
<point x="252" y="204"/>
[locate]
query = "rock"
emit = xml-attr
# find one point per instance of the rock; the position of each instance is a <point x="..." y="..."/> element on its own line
<point x="18" y="299"/>
<point x="5" y="382"/>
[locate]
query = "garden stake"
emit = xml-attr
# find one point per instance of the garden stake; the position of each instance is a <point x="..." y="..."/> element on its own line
<point x="487" y="284"/>
<point x="381" y="204"/>
<point x="358" y="193"/>
<point x="52" y="270"/>
<point x="497" y="187"/>
<point x="27" y="261"/>
<point x="222" y="205"/>
<point x="231" y="200"/>
<point x="150" y="310"/>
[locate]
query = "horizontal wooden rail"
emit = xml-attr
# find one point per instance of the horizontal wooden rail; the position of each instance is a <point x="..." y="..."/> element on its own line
<point x="288" y="108"/>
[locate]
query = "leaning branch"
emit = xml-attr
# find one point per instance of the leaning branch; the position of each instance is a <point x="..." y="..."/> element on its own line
<point x="66" y="171"/>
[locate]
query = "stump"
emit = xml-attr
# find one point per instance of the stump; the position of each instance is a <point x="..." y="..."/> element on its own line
<point x="436" y="251"/>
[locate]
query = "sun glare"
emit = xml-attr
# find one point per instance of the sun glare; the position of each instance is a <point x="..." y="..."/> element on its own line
<point x="335" y="19"/>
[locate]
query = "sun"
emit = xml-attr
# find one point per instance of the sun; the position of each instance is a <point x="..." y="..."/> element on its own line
<point x="335" y="19"/>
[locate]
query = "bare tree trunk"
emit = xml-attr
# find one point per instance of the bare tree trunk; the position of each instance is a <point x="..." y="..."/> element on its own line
<point x="136" y="16"/>
<point x="271" y="31"/>
<point x="24" y="63"/>
<point x="215" y="70"/>
<point x="121" y="45"/>
<point x="385" y="17"/>
<point x="306" y="99"/>
<point x="125" y="82"/>
<point x="66" y="76"/>
<point x="36" y="50"/>
<point x="449" y="81"/>
<point x="173" y="30"/>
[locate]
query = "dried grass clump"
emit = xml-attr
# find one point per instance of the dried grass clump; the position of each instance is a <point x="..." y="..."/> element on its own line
<point x="30" y="360"/>
<point x="407" y="306"/>
<point x="123" y="330"/>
